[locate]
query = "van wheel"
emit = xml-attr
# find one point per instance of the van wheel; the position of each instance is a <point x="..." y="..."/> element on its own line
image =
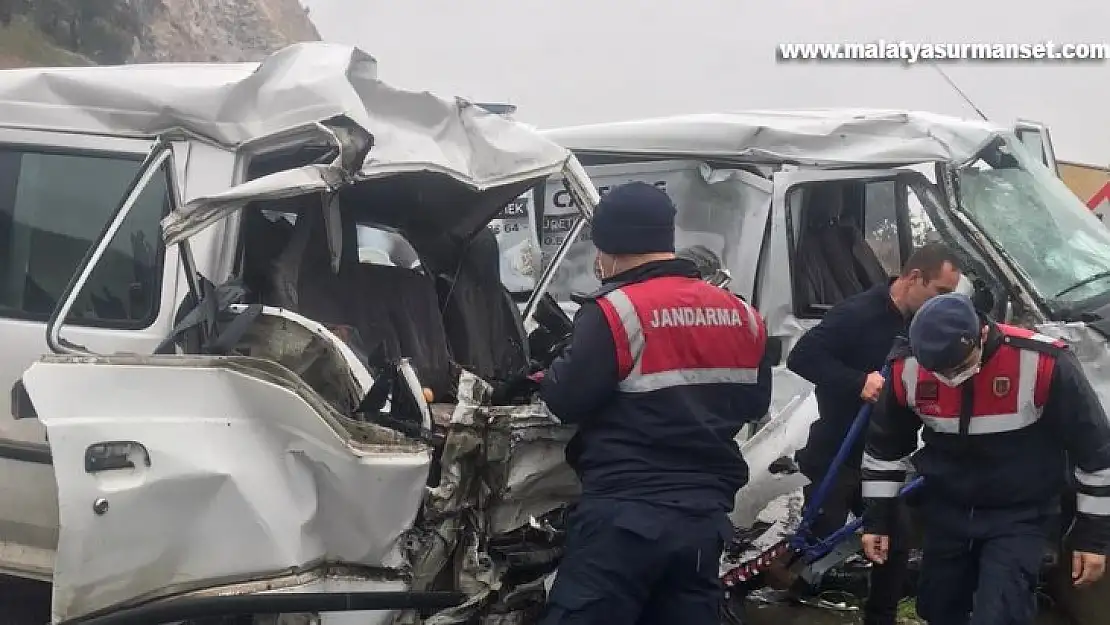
<point x="24" y="602"/>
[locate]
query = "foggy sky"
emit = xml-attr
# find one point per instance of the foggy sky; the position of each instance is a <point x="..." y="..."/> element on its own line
<point x="579" y="61"/>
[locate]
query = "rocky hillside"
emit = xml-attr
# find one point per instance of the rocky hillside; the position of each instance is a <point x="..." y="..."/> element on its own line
<point x="76" y="32"/>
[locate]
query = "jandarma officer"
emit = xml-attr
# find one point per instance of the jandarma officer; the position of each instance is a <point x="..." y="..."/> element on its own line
<point x="662" y="371"/>
<point x="1006" y="411"/>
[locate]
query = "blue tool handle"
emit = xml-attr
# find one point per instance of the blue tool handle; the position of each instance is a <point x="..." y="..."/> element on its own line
<point x="821" y="549"/>
<point x="813" y="508"/>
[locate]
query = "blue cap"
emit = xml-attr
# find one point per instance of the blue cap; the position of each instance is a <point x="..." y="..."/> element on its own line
<point x="634" y="218"/>
<point x="944" y="331"/>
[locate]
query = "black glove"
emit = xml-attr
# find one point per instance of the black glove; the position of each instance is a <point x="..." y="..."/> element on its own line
<point x="517" y="386"/>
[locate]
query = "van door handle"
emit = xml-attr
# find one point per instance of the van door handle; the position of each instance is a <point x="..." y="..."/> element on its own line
<point x="114" y="455"/>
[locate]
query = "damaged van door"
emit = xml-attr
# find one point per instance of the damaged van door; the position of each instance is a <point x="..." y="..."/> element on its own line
<point x="46" y="229"/>
<point x="152" y="496"/>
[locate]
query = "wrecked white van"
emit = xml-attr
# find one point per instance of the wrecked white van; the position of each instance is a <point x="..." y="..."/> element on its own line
<point x="805" y="208"/>
<point x="244" y="412"/>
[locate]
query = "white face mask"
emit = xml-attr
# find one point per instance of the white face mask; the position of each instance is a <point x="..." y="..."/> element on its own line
<point x="960" y="377"/>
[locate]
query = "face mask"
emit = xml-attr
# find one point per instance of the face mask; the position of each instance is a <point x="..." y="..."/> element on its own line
<point x="961" y="377"/>
<point x="599" y="273"/>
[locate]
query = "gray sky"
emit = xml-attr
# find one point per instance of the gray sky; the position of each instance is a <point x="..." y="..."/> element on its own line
<point x="581" y="61"/>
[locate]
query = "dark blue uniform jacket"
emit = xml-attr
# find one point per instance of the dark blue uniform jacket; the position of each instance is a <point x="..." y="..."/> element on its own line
<point x="673" y="446"/>
<point x="851" y="341"/>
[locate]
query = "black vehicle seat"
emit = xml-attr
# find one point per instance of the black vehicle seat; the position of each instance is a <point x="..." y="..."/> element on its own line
<point x="868" y="267"/>
<point x="303" y="278"/>
<point x="264" y="240"/>
<point x="835" y="248"/>
<point x="394" y="310"/>
<point x="817" y="282"/>
<point x="398" y="317"/>
<point x="484" y="326"/>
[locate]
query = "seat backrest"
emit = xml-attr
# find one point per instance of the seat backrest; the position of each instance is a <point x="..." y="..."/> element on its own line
<point x="817" y="280"/>
<point x="394" y="310"/>
<point x="852" y="222"/>
<point x="484" y="327"/>
<point x="264" y="240"/>
<point x="397" y="316"/>
<point x="836" y="252"/>
<point x="867" y="264"/>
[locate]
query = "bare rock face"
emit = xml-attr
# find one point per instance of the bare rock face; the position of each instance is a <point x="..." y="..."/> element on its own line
<point x="73" y="32"/>
<point x="219" y="30"/>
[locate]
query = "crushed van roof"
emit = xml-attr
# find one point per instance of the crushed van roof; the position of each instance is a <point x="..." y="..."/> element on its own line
<point x="818" y="137"/>
<point x="303" y="84"/>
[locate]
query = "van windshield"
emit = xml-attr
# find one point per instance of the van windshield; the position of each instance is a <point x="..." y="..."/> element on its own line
<point x="1028" y="212"/>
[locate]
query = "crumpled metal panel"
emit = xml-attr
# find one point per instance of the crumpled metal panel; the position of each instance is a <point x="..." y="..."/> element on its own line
<point x="312" y="358"/>
<point x="775" y="523"/>
<point x="501" y="468"/>
<point x="1090" y="348"/>
<point x="820" y="137"/>
<point x="793" y="410"/>
<point x="527" y="469"/>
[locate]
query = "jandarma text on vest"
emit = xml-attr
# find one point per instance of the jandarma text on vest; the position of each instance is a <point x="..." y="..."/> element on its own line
<point x="689" y="316"/>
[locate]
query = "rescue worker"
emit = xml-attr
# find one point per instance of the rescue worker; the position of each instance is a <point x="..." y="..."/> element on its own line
<point x="842" y="357"/>
<point x="661" y="373"/>
<point x="1005" y="412"/>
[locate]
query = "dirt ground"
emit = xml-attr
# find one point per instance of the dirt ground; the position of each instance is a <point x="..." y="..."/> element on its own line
<point x="23" y="603"/>
<point x="762" y="614"/>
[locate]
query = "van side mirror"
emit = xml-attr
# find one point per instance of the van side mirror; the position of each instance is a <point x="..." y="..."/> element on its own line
<point x="773" y="351"/>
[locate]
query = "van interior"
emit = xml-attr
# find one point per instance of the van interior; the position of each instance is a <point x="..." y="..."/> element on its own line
<point x="831" y="254"/>
<point x="426" y="285"/>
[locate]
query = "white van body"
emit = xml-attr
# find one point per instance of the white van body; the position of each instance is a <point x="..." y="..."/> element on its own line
<point x="162" y="484"/>
<point x="755" y="188"/>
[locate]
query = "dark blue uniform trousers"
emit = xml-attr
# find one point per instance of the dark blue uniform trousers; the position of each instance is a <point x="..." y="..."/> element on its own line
<point x="981" y="566"/>
<point x="633" y="563"/>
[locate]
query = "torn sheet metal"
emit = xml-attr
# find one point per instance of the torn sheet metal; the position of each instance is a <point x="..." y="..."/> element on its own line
<point x="296" y="88"/>
<point x="527" y="470"/>
<point x="228" y="103"/>
<point x="502" y="476"/>
<point x="205" y="210"/>
<point x="1090" y="348"/>
<point x="793" y="410"/>
<point x="819" y="137"/>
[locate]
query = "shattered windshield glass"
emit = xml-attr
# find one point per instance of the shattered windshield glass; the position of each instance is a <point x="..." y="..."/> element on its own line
<point x="1028" y="213"/>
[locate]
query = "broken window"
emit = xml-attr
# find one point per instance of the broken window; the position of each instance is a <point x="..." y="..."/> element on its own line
<point x="1029" y="214"/>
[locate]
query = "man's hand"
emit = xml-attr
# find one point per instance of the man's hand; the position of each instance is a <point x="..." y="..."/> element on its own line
<point x="872" y="387"/>
<point x="515" y="387"/>
<point x="1087" y="568"/>
<point x="876" y="547"/>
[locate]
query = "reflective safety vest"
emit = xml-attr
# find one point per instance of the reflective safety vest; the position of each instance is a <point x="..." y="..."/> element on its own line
<point x="679" y="331"/>
<point x="1009" y="391"/>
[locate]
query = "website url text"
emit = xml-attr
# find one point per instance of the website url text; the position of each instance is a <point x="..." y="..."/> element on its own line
<point x="911" y="52"/>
